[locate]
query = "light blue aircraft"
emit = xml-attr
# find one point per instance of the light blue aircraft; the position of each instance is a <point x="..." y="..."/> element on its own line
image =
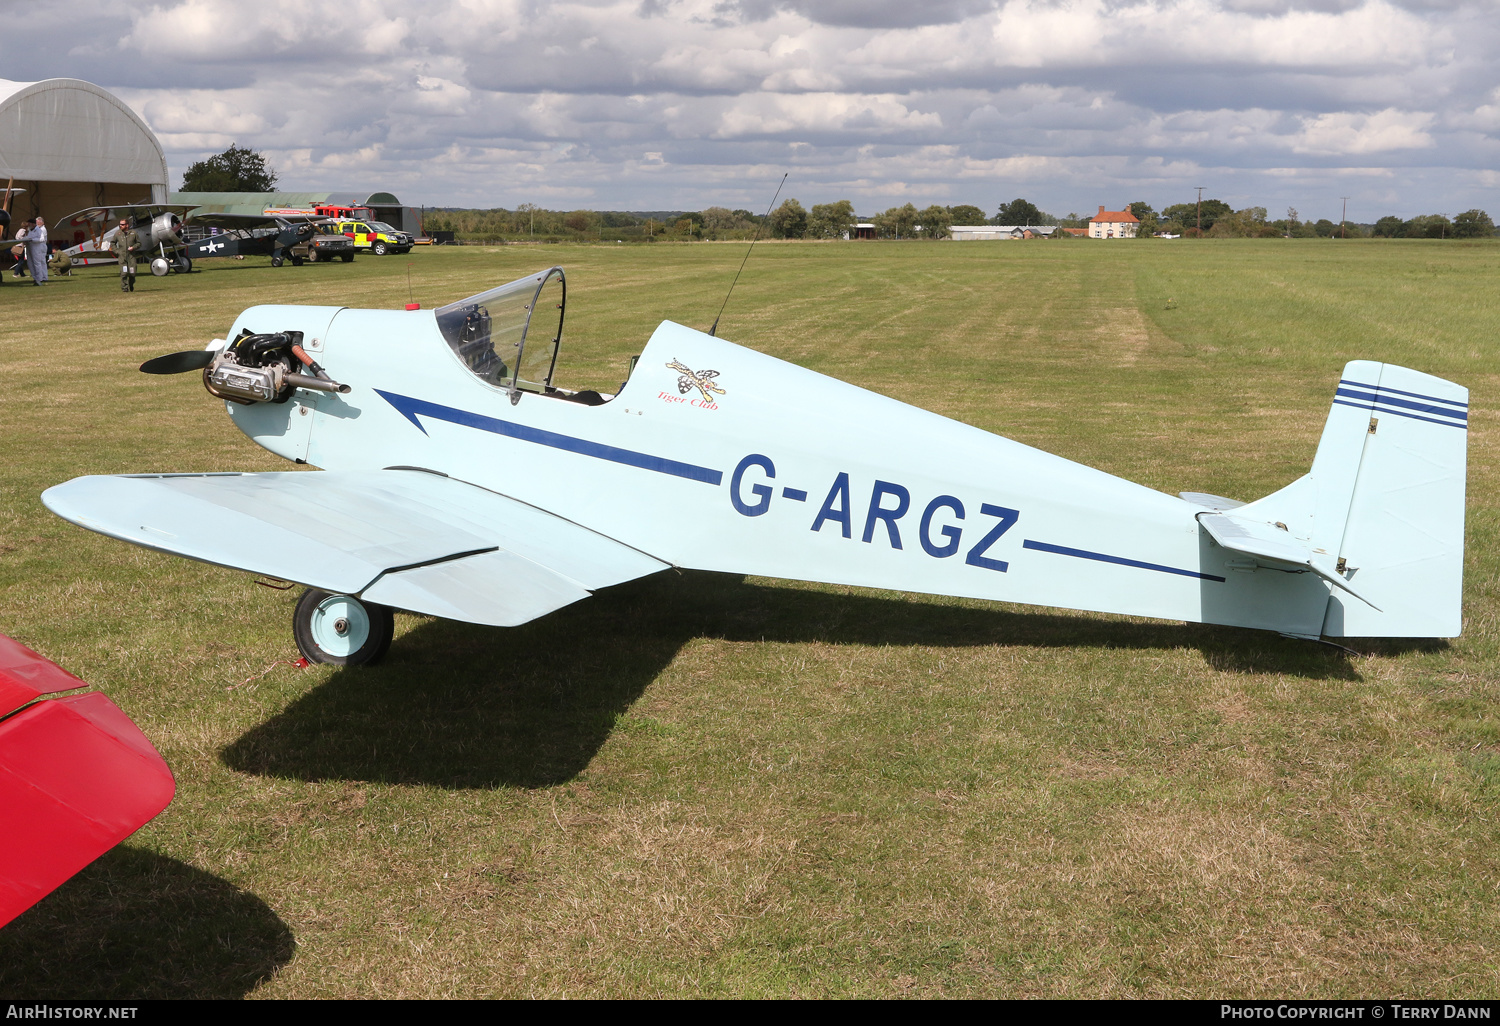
<point x="457" y="480"/>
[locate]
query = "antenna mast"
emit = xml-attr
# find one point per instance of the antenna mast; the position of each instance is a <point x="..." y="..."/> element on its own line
<point x="715" y="329"/>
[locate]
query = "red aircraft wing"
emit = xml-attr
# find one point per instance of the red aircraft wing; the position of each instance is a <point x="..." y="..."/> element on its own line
<point x="76" y="778"/>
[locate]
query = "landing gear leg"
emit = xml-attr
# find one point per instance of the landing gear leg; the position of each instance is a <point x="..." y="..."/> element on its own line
<point x="340" y="629"/>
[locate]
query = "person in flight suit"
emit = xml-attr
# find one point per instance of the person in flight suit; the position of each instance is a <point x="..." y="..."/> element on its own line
<point x="127" y="245"/>
<point x="36" y="250"/>
<point x="60" y="263"/>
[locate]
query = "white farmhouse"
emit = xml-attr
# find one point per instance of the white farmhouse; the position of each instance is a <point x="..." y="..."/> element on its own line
<point x="1113" y="224"/>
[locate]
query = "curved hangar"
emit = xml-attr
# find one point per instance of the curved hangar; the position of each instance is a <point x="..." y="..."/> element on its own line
<point x="70" y="145"/>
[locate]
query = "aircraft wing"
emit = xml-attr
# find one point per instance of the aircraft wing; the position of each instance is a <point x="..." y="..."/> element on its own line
<point x="250" y="220"/>
<point x="400" y="537"/>
<point x="116" y="211"/>
<point x="76" y="778"/>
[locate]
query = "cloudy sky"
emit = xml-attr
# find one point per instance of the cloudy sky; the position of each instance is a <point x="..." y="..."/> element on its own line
<point x="681" y="104"/>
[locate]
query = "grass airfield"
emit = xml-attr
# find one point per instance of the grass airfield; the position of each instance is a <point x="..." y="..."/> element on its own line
<point x="700" y="784"/>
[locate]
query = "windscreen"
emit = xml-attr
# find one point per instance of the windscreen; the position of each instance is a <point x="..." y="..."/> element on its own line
<point x="381" y="226"/>
<point x="490" y="332"/>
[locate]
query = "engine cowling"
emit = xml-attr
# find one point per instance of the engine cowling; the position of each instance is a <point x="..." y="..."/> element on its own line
<point x="164" y="230"/>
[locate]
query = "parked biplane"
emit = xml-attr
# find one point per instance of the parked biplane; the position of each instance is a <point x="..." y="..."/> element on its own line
<point x="460" y="479"/>
<point x="159" y="223"/>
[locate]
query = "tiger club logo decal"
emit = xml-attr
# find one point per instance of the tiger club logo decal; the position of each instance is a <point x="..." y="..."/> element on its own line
<point x="689" y="379"/>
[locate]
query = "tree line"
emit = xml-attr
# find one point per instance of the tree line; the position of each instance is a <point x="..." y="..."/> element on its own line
<point x="1216" y="219"/>
<point x="1212" y="219"/>
<point x="238" y="169"/>
<point x="791" y="220"/>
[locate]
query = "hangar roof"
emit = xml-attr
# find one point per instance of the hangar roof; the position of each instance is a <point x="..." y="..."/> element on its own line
<point x="67" y="130"/>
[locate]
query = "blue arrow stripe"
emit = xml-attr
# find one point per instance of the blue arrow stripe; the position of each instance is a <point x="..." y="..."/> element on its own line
<point x="412" y="408"/>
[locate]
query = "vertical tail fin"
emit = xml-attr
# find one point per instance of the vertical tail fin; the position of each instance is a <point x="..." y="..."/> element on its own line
<point x="1388" y="502"/>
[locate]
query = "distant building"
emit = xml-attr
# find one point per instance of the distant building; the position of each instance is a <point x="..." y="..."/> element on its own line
<point x="1113" y="224"/>
<point x="864" y="230"/>
<point x="996" y="232"/>
<point x="69" y="145"/>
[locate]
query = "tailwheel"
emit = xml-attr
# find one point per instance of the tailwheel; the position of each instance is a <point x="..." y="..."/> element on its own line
<point x="341" y="629"/>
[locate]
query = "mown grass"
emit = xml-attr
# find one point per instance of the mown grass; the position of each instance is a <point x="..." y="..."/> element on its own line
<point x="701" y="784"/>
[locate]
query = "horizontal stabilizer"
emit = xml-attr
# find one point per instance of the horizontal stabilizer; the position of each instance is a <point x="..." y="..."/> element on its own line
<point x="1214" y="502"/>
<point x="1267" y="541"/>
<point x="404" y="538"/>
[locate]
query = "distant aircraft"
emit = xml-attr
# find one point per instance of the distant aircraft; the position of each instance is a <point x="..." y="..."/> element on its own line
<point x="460" y="480"/>
<point x="270" y="234"/>
<point x="160" y="223"/>
<point x="76" y="777"/>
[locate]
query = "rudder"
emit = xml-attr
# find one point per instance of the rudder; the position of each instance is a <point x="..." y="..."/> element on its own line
<point x="1400" y="538"/>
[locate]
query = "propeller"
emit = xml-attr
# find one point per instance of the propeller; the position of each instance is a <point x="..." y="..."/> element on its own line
<point x="179" y="363"/>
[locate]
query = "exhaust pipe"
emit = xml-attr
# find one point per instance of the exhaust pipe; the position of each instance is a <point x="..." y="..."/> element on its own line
<point x="316" y="384"/>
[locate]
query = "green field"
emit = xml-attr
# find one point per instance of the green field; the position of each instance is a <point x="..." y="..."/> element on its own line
<point x="700" y="784"/>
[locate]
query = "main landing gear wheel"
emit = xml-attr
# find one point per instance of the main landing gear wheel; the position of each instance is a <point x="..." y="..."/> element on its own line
<point x="276" y="259"/>
<point x="341" y="629"/>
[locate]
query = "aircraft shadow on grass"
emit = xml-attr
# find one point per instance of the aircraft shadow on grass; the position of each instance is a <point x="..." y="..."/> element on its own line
<point x="460" y="706"/>
<point x="137" y="925"/>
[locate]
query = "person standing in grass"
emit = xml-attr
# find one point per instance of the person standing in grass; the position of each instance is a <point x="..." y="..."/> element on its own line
<point x="36" y="251"/>
<point x="127" y="244"/>
<point x="19" y="252"/>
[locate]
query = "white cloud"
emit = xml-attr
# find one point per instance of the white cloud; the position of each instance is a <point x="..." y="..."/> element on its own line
<point x="1348" y="134"/>
<point x="682" y="103"/>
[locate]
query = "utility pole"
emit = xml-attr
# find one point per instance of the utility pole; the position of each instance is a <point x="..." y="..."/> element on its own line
<point x="1200" y="189"/>
<point x="1344" y="217"/>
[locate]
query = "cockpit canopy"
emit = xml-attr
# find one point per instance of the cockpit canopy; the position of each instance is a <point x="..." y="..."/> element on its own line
<point x="509" y="335"/>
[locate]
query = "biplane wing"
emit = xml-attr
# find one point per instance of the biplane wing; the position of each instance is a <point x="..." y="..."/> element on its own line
<point x="76" y="777"/>
<point x="114" y="212"/>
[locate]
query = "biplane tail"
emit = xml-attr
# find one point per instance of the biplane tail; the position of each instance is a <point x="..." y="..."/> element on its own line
<point x="1381" y="515"/>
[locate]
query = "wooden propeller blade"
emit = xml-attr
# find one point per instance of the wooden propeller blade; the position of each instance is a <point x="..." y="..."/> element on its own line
<point x="178" y="363"/>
